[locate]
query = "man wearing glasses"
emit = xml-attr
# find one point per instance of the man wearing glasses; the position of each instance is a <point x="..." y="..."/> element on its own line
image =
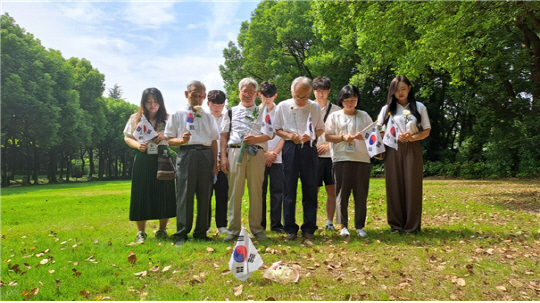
<point x="196" y="132"/>
<point x="299" y="121"/>
<point x="244" y="126"/>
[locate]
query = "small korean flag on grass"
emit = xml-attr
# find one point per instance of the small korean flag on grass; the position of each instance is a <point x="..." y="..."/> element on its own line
<point x="245" y="259"/>
<point x="391" y="134"/>
<point x="373" y="140"/>
<point x="144" y="131"/>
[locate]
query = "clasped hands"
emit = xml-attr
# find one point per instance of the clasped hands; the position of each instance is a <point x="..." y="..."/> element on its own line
<point x="143" y="146"/>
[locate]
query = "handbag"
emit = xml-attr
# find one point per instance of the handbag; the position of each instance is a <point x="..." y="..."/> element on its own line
<point x="165" y="167"/>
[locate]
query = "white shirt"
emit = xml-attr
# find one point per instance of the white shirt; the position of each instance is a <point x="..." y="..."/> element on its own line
<point x="272" y="144"/>
<point x="218" y="123"/>
<point x="338" y="123"/>
<point x="241" y="125"/>
<point x="131" y="126"/>
<point x="291" y="118"/>
<point x="205" y="128"/>
<point x="321" y="140"/>
<point x="400" y="119"/>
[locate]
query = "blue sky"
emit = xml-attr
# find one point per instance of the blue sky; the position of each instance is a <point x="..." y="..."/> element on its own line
<point x="139" y="44"/>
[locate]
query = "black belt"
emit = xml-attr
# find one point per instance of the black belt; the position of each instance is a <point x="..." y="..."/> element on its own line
<point x="306" y="144"/>
<point x="195" y="146"/>
<point x="238" y="146"/>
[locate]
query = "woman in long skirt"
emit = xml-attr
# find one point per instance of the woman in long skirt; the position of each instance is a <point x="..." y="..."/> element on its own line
<point x="151" y="199"/>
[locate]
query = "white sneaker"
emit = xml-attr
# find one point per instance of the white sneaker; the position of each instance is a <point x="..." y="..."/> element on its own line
<point x="344" y="232"/>
<point x="361" y="232"/>
<point x="223" y="230"/>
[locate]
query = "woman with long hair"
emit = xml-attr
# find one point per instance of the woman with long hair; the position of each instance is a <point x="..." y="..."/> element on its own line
<point x="350" y="158"/>
<point x="404" y="165"/>
<point x="151" y="199"/>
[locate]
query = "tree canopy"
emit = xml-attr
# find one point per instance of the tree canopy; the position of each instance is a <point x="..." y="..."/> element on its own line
<point x="474" y="64"/>
<point x="53" y="111"/>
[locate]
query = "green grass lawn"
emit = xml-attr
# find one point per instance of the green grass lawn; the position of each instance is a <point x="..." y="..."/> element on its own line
<point x="480" y="241"/>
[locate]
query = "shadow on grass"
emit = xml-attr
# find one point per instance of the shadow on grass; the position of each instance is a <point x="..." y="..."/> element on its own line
<point x="42" y="187"/>
<point x="526" y="201"/>
<point x="427" y="237"/>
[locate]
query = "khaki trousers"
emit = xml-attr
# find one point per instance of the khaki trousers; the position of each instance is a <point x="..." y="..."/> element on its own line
<point x="252" y="169"/>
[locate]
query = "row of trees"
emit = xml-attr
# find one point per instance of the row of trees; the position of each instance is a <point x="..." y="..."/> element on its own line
<point x="474" y="64"/>
<point x="53" y="112"/>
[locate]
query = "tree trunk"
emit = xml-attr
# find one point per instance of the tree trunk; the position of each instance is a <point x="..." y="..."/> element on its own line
<point x="61" y="167"/>
<point x="83" y="163"/>
<point x="51" y="167"/>
<point x="5" y="180"/>
<point x="91" y="163"/>
<point x="68" y="168"/>
<point x="35" y="165"/>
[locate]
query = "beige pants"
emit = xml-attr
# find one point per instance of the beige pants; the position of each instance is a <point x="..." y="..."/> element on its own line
<point x="251" y="169"/>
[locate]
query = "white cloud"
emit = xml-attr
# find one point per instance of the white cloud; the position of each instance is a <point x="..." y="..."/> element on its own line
<point x="150" y="15"/>
<point x="83" y="12"/>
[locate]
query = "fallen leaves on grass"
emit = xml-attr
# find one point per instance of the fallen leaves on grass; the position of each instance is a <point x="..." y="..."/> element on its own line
<point x="30" y="293"/>
<point x="238" y="290"/>
<point x="132" y="258"/>
<point x="166" y="268"/>
<point x="209" y="249"/>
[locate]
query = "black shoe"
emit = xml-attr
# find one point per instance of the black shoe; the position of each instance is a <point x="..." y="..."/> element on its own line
<point x="308" y="236"/>
<point x="278" y="230"/>
<point x="141" y="237"/>
<point x="205" y="238"/>
<point x="179" y="241"/>
<point x="291" y="237"/>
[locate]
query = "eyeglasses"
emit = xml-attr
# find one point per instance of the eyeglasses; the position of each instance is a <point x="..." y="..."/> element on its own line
<point x="196" y="96"/>
<point x="301" y="99"/>
<point x="248" y="92"/>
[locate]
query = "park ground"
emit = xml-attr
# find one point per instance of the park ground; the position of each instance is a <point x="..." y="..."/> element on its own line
<point x="480" y="241"/>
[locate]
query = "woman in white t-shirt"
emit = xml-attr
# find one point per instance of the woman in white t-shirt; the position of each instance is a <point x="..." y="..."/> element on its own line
<point x="351" y="161"/>
<point x="404" y="166"/>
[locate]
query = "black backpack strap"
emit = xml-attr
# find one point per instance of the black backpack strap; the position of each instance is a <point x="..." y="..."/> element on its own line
<point x="229" y="112"/>
<point x="327" y="112"/>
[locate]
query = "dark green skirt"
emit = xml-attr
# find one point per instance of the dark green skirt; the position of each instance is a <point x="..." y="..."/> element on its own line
<point x="151" y="198"/>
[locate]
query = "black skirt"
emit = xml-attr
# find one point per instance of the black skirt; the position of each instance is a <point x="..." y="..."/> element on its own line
<point x="151" y="198"/>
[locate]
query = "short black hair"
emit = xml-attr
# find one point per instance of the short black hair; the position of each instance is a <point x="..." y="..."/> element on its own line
<point x="346" y="92"/>
<point x="216" y="96"/>
<point x="321" y="83"/>
<point x="268" y="89"/>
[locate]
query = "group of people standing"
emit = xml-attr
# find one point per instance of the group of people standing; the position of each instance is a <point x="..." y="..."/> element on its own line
<point x="314" y="141"/>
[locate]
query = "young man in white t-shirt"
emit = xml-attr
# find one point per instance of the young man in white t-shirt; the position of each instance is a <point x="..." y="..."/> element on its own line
<point x="216" y="103"/>
<point x="321" y="90"/>
<point x="274" y="166"/>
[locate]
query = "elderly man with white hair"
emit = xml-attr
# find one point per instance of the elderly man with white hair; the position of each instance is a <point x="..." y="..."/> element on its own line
<point x="299" y="122"/>
<point x="243" y="125"/>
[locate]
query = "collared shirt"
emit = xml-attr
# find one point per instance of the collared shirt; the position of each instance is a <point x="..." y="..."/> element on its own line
<point x="130" y="129"/>
<point x="205" y="128"/>
<point x="321" y="140"/>
<point x="339" y="123"/>
<point x="218" y="123"/>
<point x="407" y="124"/>
<point x="291" y="118"/>
<point x="241" y="125"/>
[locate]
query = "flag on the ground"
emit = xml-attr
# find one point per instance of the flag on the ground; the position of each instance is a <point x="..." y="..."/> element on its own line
<point x="245" y="258"/>
<point x="309" y="129"/>
<point x="391" y="134"/>
<point x="144" y="131"/>
<point x="373" y="139"/>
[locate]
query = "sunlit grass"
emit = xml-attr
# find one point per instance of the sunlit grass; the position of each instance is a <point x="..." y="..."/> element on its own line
<point x="480" y="241"/>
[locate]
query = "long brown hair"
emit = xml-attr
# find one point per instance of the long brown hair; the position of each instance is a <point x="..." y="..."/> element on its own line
<point x="391" y="100"/>
<point x="161" y="115"/>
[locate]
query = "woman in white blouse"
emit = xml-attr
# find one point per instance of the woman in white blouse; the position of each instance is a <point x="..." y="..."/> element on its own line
<point x="351" y="161"/>
<point x="151" y="199"/>
<point x="404" y="165"/>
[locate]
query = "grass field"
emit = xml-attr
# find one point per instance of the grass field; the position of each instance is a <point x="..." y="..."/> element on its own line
<point x="480" y="241"/>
